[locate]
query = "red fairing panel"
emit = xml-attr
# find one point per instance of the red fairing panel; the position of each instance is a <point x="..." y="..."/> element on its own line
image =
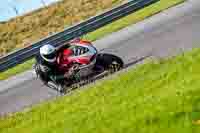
<point x="65" y="59"/>
<point x="81" y="60"/>
<point x="64" y="64"/>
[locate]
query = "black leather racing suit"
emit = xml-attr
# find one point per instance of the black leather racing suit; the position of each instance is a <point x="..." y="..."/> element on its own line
<point x="48" y="71"/>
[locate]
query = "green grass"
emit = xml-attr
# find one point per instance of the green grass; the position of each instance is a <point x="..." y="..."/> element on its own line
<point x="115" y="26"/>
<point x="159" y="96"/>
<point x="16" y="70"/>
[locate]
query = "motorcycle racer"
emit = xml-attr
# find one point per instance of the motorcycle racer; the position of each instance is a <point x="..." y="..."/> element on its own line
<point x="58" y="64"/>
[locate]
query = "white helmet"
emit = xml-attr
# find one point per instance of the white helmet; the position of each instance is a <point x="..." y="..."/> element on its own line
<point x="48" y="53"/>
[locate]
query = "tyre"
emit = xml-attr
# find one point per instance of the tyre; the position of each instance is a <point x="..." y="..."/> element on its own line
<point x="110" y="62"/>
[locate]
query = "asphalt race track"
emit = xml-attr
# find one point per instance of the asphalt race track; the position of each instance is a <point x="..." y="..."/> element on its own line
<point x="165" y="34"/>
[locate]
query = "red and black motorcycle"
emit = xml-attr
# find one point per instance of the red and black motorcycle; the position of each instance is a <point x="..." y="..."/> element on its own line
<point x="86" y="63"/>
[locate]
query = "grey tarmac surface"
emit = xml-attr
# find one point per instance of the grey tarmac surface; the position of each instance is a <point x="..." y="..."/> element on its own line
<point x="168" y="33"/>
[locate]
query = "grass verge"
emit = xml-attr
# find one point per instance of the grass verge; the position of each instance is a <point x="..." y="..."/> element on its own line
<point x="160" y="96"/>
<point x="17" y="69"/>
<point x="115" y="26"/>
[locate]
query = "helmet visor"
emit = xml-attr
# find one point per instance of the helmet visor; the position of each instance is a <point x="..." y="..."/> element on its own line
<point x="50" y="56"/>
